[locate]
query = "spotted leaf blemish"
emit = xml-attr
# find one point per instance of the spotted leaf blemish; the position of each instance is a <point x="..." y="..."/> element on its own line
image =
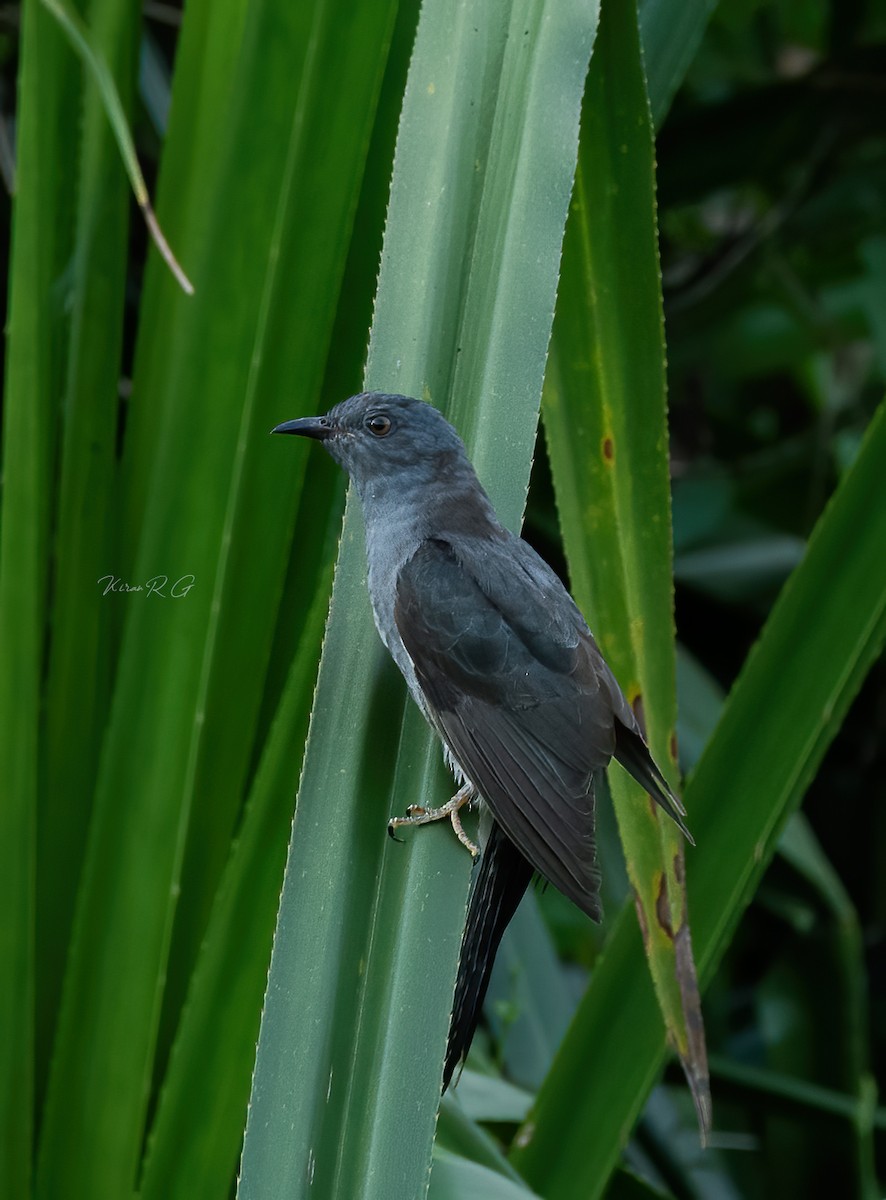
<point x="663" y="908"/>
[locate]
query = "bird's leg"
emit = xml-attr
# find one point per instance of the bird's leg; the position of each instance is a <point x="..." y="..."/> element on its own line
<point x="416" y="815"/>
<point x="471" y="847"/>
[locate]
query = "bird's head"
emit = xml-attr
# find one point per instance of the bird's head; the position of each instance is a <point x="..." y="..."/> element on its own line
<point x="388" y="440"/>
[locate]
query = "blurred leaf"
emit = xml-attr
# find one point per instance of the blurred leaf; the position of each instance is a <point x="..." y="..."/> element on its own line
<point x="702" y="507"/>
<point x="529" y="1002"/>
<point x="193" y="1158"/>
<point x="79" y="660"/>
<point x="842" y="1005"/>
<point x="154" y="83"/>
<point x="700" y="702"/>
<point x="459" y="1134"/>
<point x="670" y="34"/>
<point x="665" y="1149"/>
<point x="34" y="367"/>
<point x="83" y="44"/>
<point x="489" y="1098"/>
<point x="215" y="520"/>
<point x="873" y="252"/>
<point x="626" y="1185"/>
<point x="740" y="570"/>
<point x="455" y="1178"/>
<point x="764" y="336"/>
<point x="798" y="1092"/>
<point x="605" y="416"/>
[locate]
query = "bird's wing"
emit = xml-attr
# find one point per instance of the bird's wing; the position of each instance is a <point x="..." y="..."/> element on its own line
<point x="520" y="693"/>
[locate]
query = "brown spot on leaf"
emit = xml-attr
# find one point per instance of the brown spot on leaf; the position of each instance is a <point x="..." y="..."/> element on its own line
<point x="680" y="868"/>
<point x="672" y="746"/>
<point x="663" y="908"/>
<point x="608" y="449"/>
<point x="641" y="921"/>
<point x="695" y="1061"/>
<point x="639" y="712"/>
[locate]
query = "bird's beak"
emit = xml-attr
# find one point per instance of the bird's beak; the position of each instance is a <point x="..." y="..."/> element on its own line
<point x="312" y="427"/>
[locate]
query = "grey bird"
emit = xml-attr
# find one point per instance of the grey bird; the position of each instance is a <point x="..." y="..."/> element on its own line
<point x="500" y="661"/>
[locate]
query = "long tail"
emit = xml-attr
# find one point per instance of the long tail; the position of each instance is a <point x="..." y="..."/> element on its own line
<point x="633" y="754"/>
<point x="503" y="877"/>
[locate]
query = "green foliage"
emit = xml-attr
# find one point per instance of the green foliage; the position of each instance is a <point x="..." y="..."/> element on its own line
<point x="606" y="420"/>
<point x="739" y="804"/>
<point x="151" y="744"/>
<point x="462" y="317"/>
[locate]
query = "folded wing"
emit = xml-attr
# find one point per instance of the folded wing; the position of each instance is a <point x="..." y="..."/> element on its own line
<point x="519" y="691"/>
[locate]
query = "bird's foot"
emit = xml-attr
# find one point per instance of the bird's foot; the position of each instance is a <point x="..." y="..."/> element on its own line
<point x="417" y="815"/>
<point x="472" y="847"/>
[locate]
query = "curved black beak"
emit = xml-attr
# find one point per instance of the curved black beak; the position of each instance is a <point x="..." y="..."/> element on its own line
<point x="312" y="427"/>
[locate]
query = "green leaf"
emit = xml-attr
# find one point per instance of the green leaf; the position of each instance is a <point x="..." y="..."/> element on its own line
<point x="530" y="1002"/>
<point x="847" y="990"/>
<point x="821" y="638"/>
<point x="456" y="1178"/>
<point x="671" y="34"/>
<point x="460" y="1134"/>
<point x="605" y="415"/>
<point x="34" y="370"/>
<point x="364" y="957"/>
<point x="808" y="1097"/>
<point x="700" y="699"/>
<point x="194" y="1160"/>
<point x="490" y="1098"/>
<point x="214" y="510"/>
<point x="79" y="649"/>
<point x="83" y="42"/>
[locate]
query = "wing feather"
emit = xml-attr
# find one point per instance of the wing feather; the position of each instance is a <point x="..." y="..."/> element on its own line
<point x="519" y="692"/>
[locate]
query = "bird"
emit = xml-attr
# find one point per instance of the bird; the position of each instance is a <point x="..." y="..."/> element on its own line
<point x="501" y="663"/>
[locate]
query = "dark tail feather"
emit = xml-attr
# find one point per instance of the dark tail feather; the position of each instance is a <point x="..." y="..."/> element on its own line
<point x="633" y="754"/>
<point x="503" y="877"/>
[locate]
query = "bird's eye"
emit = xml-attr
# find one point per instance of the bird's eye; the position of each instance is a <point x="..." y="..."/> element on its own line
<point x="379" y="424"/>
